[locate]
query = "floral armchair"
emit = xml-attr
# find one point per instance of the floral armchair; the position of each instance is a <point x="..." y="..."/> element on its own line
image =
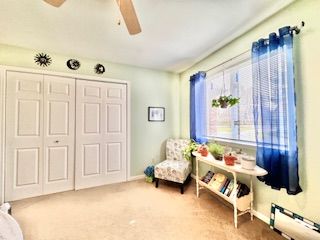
<point x="175" y="168"/>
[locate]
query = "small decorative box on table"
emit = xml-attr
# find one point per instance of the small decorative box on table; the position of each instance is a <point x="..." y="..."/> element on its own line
<point x="243" y="204"/>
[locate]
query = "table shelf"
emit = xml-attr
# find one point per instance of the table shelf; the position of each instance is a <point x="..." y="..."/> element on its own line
<point x="245" y="203"/>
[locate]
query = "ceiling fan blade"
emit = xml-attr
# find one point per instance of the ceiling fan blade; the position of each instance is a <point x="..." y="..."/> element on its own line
<point x="129" y="16"/>
<point x="55" y="3"/>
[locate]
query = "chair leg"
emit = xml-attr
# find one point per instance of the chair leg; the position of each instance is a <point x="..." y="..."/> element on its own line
<point x="188" y="178"/>
<point x="182" y="188"/>
<point x="157" y="182"/>
<point x="184" y="183"/>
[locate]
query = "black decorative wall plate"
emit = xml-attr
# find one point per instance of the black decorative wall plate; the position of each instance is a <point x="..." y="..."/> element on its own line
<point x="42" y="59"/>
<point x="99" y="69"/>
<point x="73" y="64"/>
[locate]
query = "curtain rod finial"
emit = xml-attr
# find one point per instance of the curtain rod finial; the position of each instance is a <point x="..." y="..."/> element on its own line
<point x="297" y="29"/>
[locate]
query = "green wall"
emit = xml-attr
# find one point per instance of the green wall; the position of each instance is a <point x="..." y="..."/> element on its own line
<point x="148" y="88"/>
<point x="157" y="88"/>
<point x="307" y="68"/>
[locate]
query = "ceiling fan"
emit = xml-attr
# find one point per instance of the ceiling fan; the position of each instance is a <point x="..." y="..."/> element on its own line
<point x="127" y="11"/>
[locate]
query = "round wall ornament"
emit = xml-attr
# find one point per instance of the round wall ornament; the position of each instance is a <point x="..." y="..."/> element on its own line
<point x="99" y="69"/>
<point x="43" y="59"/>
<point x="73" y="64"/>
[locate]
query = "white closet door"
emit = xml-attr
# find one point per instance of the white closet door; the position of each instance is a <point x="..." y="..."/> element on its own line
<point x="100" y="133"/>
<point x="24" y="135"/>
<point x="59" y="124"/>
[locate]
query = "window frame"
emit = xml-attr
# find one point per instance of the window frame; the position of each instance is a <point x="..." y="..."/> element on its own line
<point x="229" y="64"/>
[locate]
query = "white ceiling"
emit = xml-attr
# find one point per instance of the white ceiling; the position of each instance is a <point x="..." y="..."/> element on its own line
<point x="175" y="33"/>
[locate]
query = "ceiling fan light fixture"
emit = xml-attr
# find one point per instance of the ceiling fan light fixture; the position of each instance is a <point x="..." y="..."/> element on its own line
<point x="126" y="9"/>
<point x="55" y="3"/>
<point x="129" y="16"/>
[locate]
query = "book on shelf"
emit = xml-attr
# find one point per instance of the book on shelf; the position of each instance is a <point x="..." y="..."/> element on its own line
<point x="229" y="188"/>
<point x="207" y="177"/>
<point x="243" y="190"/>
<point x="217" y="181"/>
<point x="239" y="190"/>
<point x="223" y="189"/>
<point x="221" y="183"/>
<point x="235" y="190"/>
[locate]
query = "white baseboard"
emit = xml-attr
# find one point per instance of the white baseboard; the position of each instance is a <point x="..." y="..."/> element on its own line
<point x="137" y="177"/>
<point x="261" y="216"/>
<point x="257" y="214"/>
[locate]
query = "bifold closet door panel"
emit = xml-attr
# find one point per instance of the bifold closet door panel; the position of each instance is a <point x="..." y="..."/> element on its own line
<point x="100" y="133"/>
<point x="59" y="126"/>
<point x="24" y="135"/>
<point x="40" y="122"/>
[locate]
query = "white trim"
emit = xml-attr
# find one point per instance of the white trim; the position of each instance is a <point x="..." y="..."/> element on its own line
<point x="5" y="68"/>
<point x="261" y="216"/>
<point x="137" y="177"/>
<point x="62" y="74"/>
<point x="128" y="131"/>
<point x="2" y="133"/>
<point x="244" y="144"/>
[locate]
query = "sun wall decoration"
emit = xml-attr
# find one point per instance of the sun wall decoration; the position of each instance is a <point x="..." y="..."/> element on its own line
<point x="43" y="59"/>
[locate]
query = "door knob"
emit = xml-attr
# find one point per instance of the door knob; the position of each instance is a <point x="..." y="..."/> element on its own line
<point x="56" y="141"/>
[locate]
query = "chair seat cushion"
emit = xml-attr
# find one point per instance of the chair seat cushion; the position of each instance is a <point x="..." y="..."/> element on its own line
<point x="173" y="170"/>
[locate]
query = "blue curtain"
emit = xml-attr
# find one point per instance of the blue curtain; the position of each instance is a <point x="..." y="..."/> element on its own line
<point x="275" y="110"/>
<point x="198" y="107"/>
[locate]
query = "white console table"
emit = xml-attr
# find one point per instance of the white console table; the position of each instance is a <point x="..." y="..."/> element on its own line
<point x="236" y="169"/>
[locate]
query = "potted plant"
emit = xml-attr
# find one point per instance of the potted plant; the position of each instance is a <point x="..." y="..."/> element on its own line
<point x="203" y="150"/>
<point x="225" y="101"/>
<point x="192" y="147"/>
<point x="149" y="172"/>
<point x="229" y="159"/>
<point x="216" y="150"/>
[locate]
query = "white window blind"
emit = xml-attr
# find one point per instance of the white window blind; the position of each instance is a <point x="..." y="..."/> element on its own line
<point x="234" y="123"/>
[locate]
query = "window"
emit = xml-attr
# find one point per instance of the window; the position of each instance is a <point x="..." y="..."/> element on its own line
<point x="235" y="123"/>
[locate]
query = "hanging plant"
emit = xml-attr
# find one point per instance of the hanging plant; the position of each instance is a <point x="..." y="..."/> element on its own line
<point x="225" y="101"/>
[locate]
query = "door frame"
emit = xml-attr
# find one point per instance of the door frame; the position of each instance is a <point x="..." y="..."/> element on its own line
<point x="4" y="69"/>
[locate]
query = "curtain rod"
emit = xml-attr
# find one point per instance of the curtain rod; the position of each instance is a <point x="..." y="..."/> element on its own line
<point x="295" y="29"/>
<point x="229" y="60"/>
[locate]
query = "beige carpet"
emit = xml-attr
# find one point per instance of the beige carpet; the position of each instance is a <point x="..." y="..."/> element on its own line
<point x="133" y="210"/>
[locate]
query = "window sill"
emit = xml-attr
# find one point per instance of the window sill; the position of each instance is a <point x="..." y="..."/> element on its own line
<point x="235" y="143"/>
